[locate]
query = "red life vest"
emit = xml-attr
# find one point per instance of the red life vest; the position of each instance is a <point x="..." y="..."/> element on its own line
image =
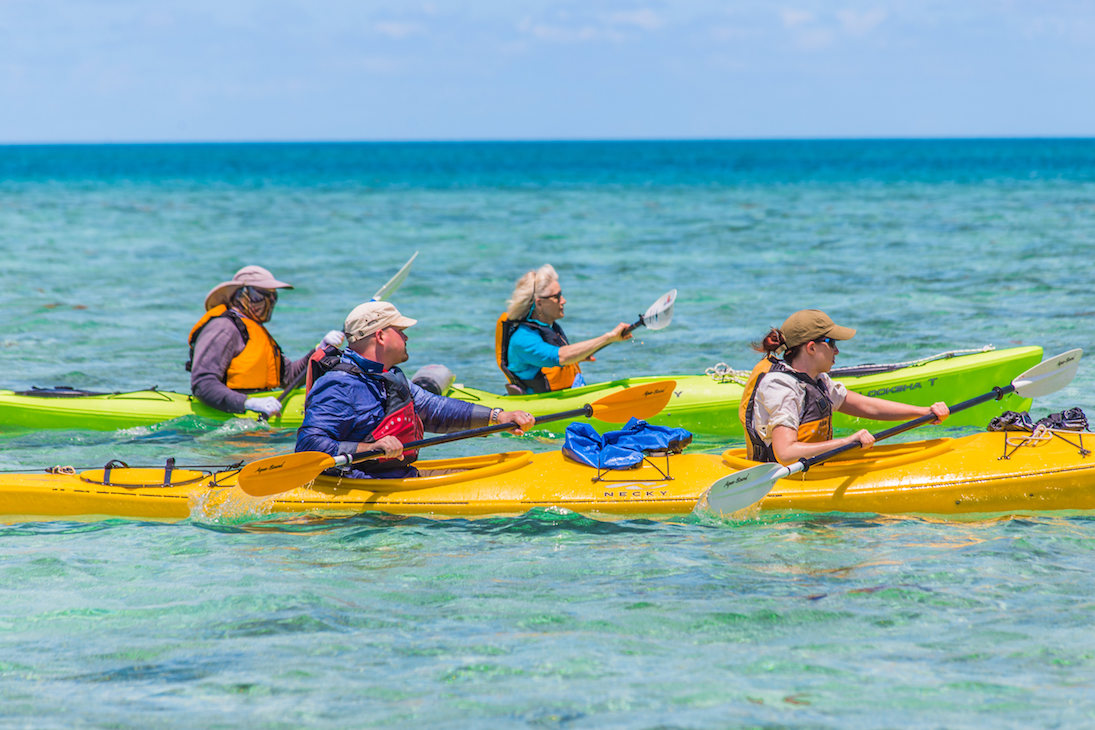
<point x="400" y="419"/>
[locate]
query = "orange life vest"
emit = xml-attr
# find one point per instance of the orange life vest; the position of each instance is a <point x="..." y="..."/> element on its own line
<point x="549" y="378"/>
<point x="815" y="415"/>
<point x="258" y="366"/>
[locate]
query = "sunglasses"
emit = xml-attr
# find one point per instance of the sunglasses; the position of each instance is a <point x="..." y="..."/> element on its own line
<point x="256" y="295"/>
<point x="556" y="296"/>
<point x="828" y="341"/>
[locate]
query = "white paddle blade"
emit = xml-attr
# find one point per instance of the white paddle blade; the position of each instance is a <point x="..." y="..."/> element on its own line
<point x="1048" y="376"/>
<point x="395" y="281"/>
<point x="660" y="313"/>
<point x="746" y="487"/>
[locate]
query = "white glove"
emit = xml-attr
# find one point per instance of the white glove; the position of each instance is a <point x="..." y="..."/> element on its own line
<point x="334" y="338"/>
<point x="267" y="406"/>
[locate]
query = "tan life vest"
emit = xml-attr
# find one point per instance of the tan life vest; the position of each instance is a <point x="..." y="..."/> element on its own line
<point x="815" y="417"/>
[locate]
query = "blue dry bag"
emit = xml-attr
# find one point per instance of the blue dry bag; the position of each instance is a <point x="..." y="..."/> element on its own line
<point x="621" y="449"/>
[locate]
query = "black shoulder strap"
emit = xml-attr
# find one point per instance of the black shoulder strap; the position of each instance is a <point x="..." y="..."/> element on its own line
<point x="331" y="360"/>
<point x="552" y="335"/>
<point x="236" y="320"/>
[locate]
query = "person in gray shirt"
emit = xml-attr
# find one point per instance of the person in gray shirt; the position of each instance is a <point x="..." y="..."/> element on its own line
<point x="231" y="352"/>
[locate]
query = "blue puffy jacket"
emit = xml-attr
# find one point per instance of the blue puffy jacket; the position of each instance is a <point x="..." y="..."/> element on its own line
<point x="343" y="408"/>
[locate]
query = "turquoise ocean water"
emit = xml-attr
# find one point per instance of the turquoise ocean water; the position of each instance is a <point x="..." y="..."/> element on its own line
<point x="548" y="619"/>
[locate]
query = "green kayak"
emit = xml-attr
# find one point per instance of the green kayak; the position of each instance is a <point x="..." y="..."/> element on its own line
<point x="705" y="404"/>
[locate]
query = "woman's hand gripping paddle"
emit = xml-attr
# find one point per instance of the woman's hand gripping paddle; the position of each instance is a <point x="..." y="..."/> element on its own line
<point x="277" y="474"/>
<point x="748" y="486"/>
<point x="384" y="291"/>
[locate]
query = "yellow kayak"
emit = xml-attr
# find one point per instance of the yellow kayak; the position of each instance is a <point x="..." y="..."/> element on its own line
<point x="991" y="472"/>
<point x="507" y="483"/>
<point x="984" y="473"/>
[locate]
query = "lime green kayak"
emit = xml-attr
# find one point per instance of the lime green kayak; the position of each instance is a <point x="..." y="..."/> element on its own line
<point x="76" y="409"/>
<point x="707" y="405"/>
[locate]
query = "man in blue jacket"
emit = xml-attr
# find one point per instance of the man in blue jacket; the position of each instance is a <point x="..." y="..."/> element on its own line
<point x="366" y="403"/>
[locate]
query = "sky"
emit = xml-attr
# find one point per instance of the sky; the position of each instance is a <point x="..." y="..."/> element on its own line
<point x="318" y="70"/>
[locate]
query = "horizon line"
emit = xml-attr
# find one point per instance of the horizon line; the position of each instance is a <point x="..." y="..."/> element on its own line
<point x="543" y="140"/>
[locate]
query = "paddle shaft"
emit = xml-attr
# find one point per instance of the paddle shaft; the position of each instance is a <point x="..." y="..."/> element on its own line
<point x="297" y="381"/>
<point x="995" y="394"/>
<point x="346" y="459"/>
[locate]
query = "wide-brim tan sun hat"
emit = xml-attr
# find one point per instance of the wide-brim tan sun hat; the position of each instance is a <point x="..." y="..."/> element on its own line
<point x="807" y="325"/>
<point x="371" y="317"/>
<point x="255" y="276"/>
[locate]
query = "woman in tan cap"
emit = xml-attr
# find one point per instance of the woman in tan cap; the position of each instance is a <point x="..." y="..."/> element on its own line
<point x="364" y="402"/>
<point x="787" y="406"/>
<point x="530" y="346"/>
<point x="232" y="353"/>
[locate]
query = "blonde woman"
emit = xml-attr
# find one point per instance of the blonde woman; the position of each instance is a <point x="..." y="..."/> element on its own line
<point x="532" y="349"/>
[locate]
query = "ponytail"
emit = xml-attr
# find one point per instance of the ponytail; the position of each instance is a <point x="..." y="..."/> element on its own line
<point x="772" y="342"/>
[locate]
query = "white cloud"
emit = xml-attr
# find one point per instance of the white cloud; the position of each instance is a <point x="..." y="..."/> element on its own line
<point x="813" y="39"/>
<point x="397" y="30"/>
<point x="645" y="18"/>
<point x="567" y="34"/>
<point x="855" y="23"/>
<point x="795" y="18"/>
<point x="724" y="33"/>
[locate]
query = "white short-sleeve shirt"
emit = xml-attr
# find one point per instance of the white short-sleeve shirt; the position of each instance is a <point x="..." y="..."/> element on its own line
<point x="779" y="401"/>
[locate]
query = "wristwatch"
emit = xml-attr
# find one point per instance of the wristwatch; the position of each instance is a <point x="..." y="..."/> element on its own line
<point x="494" y="415"/>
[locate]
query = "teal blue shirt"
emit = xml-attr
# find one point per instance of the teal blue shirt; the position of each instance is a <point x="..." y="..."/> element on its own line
<point x="528" y="353"/>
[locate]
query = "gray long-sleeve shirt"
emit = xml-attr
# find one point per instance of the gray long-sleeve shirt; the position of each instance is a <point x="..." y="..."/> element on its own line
<point x="217" y="345"/>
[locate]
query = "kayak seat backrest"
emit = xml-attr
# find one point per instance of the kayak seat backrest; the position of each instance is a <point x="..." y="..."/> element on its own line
<point x="117" y="474"/>
<point x="502" y="332"/>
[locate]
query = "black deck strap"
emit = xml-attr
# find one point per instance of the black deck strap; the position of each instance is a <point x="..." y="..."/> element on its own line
<point x="112" y="464"/>
<point x="226" y="471"/>
<point x="1084" y="453"/>
<point x="169" y="467"/>
<point x="648" y="457"/>
<point x="59" y="391"/>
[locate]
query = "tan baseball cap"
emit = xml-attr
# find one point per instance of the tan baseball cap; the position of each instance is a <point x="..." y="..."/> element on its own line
<point x="255" y="276"/>
<point x="371" y="317"/>
<point x="812" y="324"/>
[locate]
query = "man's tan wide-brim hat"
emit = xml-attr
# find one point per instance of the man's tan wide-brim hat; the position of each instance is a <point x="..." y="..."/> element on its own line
<point x="255" y="276"/>
<point x="807" y="325"/>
